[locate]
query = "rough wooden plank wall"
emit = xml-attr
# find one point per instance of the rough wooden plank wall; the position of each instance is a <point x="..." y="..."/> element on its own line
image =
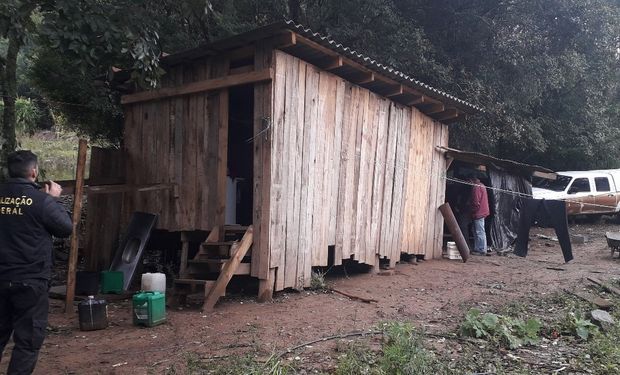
<point x="102" y="227"/>
<point x="349" y="169"/>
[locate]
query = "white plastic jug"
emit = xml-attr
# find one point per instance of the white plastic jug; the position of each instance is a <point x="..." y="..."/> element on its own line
<point x="154" y="282"/>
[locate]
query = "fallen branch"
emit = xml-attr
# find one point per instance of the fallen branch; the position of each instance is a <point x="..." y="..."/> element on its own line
<point x="366" y="300"/>
<point x="343" y="336"/>
<point x="607" y="287"/>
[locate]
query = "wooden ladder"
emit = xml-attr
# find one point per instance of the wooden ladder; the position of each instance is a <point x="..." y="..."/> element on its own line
<point x="218" y="254"/>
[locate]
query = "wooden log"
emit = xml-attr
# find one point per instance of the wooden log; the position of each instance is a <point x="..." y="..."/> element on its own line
<point x="455" y="231"/>
<point x="77" y="210"/>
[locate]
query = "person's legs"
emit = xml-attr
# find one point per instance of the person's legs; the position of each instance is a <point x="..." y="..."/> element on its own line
<point x="6" y="320"/>
<point x="480" y="237"/>
<point x="30" y="303"/>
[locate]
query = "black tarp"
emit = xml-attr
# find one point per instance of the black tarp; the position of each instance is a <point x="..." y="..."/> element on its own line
<point x="505" y="207"/>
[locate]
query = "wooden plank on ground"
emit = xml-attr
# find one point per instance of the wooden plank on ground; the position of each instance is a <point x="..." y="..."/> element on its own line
<point x="597" y="301"/>
<point x="228" y="270"/>
<point x="605" y="285"/>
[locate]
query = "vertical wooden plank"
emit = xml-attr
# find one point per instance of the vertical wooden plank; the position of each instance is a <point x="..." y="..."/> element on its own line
<point x="432" y="191"/>
<point x="390" y="160"/>
<point x="359" y="123"/>
<point x="366" y="168"/>
<point x="439" y="174"/>
<point x="77" y="214"/>
<point x="396" y="189"/>
<point x="402" y="166"/>
<point x="304" y="261"/>
<point x="342" y="233"/>
<point x="263" y="96"/>
<point x="296" y="123"/>
<point x="327" y="118"/>
<point x="336" y="163"/>
<point x="279" y="164"/>
<point x="382" y="118"/>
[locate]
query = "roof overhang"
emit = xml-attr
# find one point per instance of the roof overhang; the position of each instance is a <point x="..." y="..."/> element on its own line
<point x="510" y="166"/>
<point x="353" y="66"/>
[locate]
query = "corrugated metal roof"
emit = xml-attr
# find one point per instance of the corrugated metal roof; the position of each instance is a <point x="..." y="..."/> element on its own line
<point x="377" y="66"/>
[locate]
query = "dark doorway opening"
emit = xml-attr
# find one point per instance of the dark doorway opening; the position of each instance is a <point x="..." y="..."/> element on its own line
<point x="239" y="190"/>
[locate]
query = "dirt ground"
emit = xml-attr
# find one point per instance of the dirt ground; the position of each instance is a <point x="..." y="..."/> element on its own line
<point x="433" y="295"/>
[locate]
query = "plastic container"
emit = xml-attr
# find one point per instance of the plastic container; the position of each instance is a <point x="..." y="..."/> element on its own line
<point x="154" y="282"/>
<point x="149" y="308"/>
<point x="112" y="282"/>
<point x="452" y="252"/>
<point x="86" y="283"/>
<point x="93" y="314"/>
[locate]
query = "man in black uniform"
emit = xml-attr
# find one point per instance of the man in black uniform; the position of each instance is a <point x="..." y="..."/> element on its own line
<point x="29" y="217"/>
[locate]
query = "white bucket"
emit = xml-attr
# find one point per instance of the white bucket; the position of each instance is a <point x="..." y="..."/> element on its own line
<point x="154" y="282"/>
<point x="452" y="252"/>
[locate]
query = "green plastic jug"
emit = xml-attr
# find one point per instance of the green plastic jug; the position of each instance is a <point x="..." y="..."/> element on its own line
<point x="149" y="308"/>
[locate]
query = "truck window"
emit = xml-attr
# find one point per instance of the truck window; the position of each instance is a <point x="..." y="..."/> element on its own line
<point x="558" y="184"/>
<point x="580" y="185"/>
<point x="602" y="184"/>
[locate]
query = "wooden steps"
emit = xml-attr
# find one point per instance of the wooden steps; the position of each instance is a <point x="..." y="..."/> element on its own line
<point x="224" y="254"/>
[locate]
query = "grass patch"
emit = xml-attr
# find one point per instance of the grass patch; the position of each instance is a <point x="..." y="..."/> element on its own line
<point x="402" y="353"/>
<point x="57" y="154"/>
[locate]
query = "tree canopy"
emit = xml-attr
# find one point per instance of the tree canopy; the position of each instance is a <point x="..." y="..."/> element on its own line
<point x="547" y="72"/>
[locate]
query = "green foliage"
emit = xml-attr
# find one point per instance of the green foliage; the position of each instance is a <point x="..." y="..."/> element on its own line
<point x="575" y="323"/>
<point x="402" y="353"/>
<point x="317" y="281"/>
<point x="27" y="115"/>
<point x="507" y="331"/>
<point x="242" y="365"/>
<point x="604" y="349"/>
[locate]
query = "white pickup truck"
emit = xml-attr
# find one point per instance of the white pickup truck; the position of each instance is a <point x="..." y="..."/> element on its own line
<point x="587" y="192"/>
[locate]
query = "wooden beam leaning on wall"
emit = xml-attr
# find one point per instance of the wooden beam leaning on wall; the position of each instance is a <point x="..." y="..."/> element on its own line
<point x="201" y="86"/>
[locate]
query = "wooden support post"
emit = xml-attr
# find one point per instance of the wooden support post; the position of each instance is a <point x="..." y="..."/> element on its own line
<point x="376" y="267"/>
<point x="265" y="287"/>
<point x="184" y="254"/>
<point x="77" y="211"/>
<point x="455" y="231"/>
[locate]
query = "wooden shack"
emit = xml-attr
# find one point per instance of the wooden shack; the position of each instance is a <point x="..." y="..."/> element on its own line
<point x="337" y="152"/>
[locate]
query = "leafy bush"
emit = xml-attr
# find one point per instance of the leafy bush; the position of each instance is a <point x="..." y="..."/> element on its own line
<point x="507" y="331"/>
<point x="576" y="324"/>
<point x="27" y="115"/>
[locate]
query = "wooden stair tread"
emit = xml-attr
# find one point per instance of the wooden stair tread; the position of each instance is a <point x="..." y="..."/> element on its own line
<point x="219" y="243"/>
<point x="208" y="261"/>
<point x="191" y="281"/>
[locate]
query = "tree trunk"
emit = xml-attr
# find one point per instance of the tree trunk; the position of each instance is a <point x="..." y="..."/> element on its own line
<point x="8" y="140"/>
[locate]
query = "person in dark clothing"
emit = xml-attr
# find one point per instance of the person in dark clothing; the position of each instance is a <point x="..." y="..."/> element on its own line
<point x="29" y="217"/>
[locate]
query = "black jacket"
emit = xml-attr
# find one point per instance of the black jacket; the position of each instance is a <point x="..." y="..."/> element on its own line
<point x="28" y="220"/>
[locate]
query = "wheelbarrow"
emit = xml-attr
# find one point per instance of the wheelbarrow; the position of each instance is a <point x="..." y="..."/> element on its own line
<point x="613" y="241"/>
